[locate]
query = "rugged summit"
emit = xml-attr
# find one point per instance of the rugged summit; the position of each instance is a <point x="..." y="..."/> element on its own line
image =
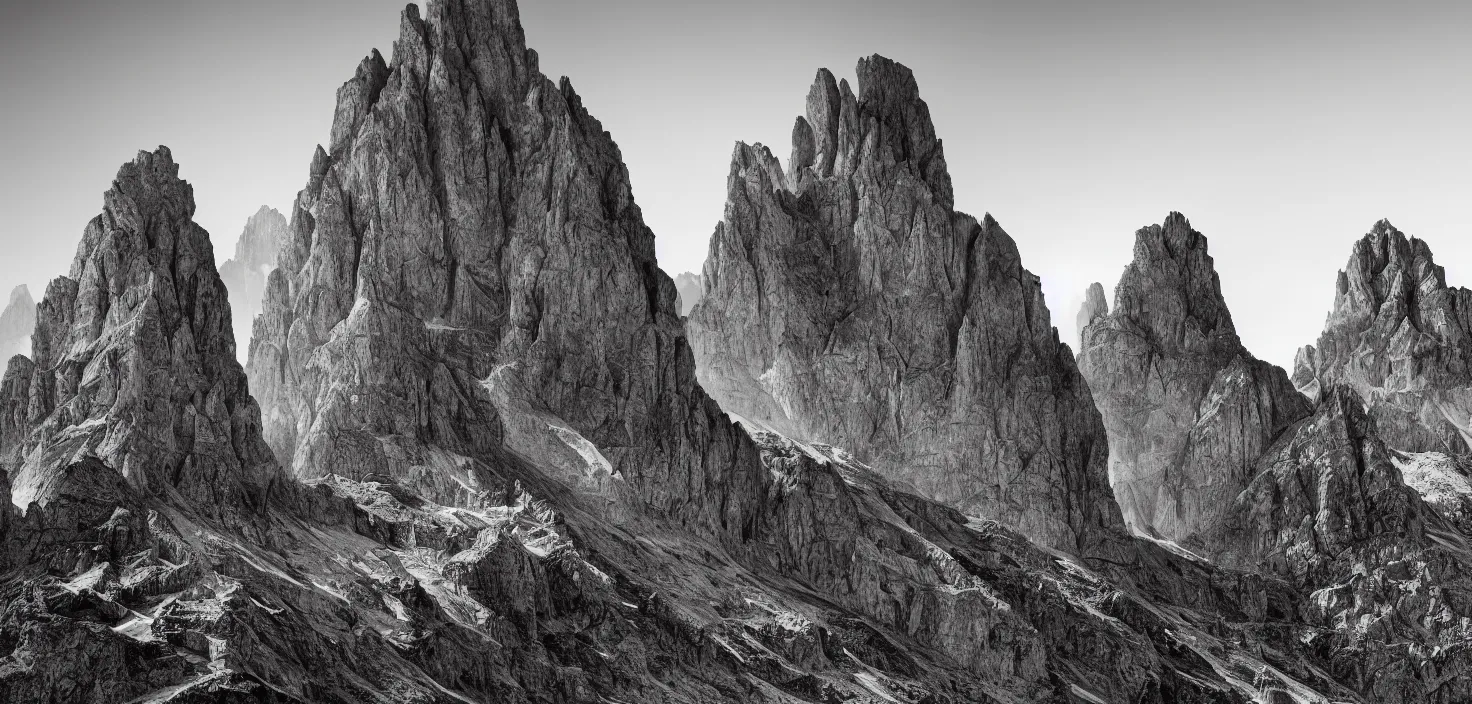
<point x="690" y="289"/>
<point x="1386" y="579"/>
<point x="245" y="273"/>
<point x="848" y="302"/>
<point x="141" y="305"/>
<point x="16" y="322"/>
<point x="1402" y="339"/>
<point x="1187" y="408"/>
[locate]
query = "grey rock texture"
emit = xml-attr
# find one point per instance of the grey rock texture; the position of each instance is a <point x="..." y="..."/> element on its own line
<point x="16" y="322"/>
<point x="1402" y="339"/>
<point x="848" y="302"/>
<point x="245" y="273"/>
<point x="689" y="288"/>
<point x="1385" y="578"/>
<point x="109" y="334"/>
<point x="1188" y="409"/>
<point x="580" y="524"/>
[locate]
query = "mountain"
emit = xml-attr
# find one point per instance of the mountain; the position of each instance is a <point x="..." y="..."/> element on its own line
<point x="245" y="273"/>
<point x="1188" y="409"/>
<point x="1219" y="457"/>
<point x="1384" y="576"/>
<point x="504" y="484"/>
<point x="16" y="322"/>
<point x="848" y="302"/>
<point x="1402" y="339"/>
<point x="688" y="286"/>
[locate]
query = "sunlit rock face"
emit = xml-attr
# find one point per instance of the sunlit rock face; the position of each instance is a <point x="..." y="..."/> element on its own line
<point x="1187" y="408"/>
<point x="1384" y="576"/>
<point x="1399" y="337"/>
<point x="245" y="273"/>
<point x="133" y="359"/>
<point x="848" y="302"/>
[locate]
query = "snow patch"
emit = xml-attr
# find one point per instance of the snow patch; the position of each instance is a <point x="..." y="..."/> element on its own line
<point x="588" y="451"/>
<point x="1434" y="476"/>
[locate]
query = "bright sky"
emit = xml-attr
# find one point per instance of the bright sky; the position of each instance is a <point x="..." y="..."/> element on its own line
<point x="1283" y="130"/>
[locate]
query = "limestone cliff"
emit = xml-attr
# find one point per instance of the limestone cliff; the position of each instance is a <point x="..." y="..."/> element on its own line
<point x="1402" y="339"/>
<point x="1187" y="407"/>
<point x="848" y="302"/>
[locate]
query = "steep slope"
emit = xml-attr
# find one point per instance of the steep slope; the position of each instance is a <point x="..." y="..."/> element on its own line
<point x="690" y="290"/>
<point x="848" y="302"/>
<point x="1187" y="408"/>
<point x="245" y="273"/>
<point x="16" y="322"/>
<point x="133" y="358"/>
<point x="1402" y="339"/>
<point x="1387" y="579"/>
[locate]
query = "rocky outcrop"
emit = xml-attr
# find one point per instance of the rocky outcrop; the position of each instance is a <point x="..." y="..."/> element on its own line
<point x="848" y="302"/>
<point x="16" y="322"/>
<point x="134" y="359"/>
<point x="689" y="288"/>
<point x="1385" y="576"/>
<point x="1187" y="407"/>
<point x="1402" y="339"/>
<point x="245" y="273"/>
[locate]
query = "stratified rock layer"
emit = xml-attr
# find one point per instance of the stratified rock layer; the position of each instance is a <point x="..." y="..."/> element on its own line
<point x="1402" y="339"/>
<point x="16" y="322"/>
<point x="848" y="302"/>
<point x="689" y="287"/>
<point x="245" y="273"/>
<point x="1187" y="408"/>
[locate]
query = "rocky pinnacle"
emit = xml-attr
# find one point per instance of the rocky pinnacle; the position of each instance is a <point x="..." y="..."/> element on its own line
<point x="848" y="302"/>
<point x="1402" y="339"/>
<point x="1188" y="409"/>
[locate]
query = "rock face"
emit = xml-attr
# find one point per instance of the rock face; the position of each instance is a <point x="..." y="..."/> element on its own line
<point x="1386" y="577"/>
<point x="1187" y="408"/>
<point x="1402" y="339"/>
<point x="580" y="524"/>
<point x="109" y="334"/>
<point x="848" y="302"/>
<point x="690" y="290"/>
<point x="245" y="273"/>
<point x="16" y="322"/>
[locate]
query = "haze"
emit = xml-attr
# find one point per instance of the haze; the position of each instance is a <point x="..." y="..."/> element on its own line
<point x="1283" y="132"/>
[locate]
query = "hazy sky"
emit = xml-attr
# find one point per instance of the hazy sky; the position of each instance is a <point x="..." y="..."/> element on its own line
<point x="1283" y="130"/>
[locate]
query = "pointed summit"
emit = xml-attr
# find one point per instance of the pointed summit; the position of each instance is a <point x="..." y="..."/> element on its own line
<point x="1188" y="409"/>
<point x="1402" y="339"/>
<point x="847" y="302"/>
<point x="134" y="358"/>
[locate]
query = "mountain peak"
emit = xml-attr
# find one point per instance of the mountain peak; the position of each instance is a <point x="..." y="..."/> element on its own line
<point x="827" y="319"/>
<point x="1170" y="375"/>
<point x="143" y="304"/>
<point x="1402" y="339"/>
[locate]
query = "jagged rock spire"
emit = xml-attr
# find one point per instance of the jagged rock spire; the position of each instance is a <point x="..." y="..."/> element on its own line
<point x="1188" y="409"/>
<point x="847" y="302"/>
<point x="134" y="361"/>
<point x="1402" y="339"/>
